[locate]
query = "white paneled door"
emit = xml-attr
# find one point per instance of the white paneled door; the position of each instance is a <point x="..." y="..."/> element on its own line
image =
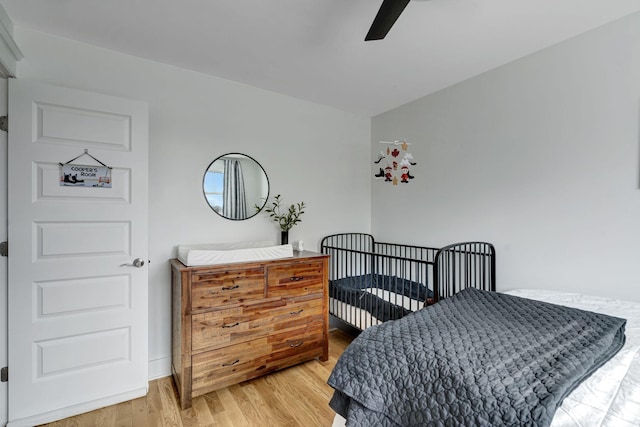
<point x="77" y="299"/>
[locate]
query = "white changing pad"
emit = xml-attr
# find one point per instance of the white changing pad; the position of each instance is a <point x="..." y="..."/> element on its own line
<point x="610" y="397"/>
<point x="222" y="253"/>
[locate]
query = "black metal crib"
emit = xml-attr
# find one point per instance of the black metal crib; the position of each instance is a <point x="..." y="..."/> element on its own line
<point x="371" y="282"/>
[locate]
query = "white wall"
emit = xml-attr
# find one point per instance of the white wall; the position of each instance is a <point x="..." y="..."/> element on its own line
<point x="310" y="152"/>
<point x="539" y="156"/>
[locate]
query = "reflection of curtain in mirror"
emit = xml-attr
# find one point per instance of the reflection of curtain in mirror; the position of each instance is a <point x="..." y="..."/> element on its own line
<point x="235" y="203"/>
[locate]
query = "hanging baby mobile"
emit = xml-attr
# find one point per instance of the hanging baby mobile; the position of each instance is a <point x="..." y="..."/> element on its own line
<point x="395" y="162"/>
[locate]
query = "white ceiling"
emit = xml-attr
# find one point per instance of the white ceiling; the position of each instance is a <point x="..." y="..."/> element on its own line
<point x="315" y="49"/>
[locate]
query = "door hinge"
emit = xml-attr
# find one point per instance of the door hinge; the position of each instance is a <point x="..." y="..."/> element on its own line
<point x="4" y="123"/>
<point x="4" y="374"/>
<point x="4" y="248"/>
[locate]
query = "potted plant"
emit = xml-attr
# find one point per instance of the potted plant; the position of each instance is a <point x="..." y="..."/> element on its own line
<point x="285" y="217"/>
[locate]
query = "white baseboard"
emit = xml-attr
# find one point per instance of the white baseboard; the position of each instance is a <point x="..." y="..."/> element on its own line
<point x="81" y="408"/>
<point x="159" y="368"/>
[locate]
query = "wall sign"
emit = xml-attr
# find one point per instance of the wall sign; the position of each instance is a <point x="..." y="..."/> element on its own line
<point x="76" y="175"/>
<point x="395" y="163"/>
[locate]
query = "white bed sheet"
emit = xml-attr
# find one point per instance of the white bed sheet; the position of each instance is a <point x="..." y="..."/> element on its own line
<point x="610" y="397"/>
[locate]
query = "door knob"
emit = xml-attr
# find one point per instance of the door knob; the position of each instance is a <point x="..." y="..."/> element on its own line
<point x="138" y="262"/>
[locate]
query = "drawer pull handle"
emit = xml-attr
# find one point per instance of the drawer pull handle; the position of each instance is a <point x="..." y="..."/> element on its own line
<point x="296" y="343"/>
<point x="296" y="278"/>
<point x="228" y="288"/>
<point x="232" y="363"/>
<point x="297" y="312"/>
<point x="231" y="325"/>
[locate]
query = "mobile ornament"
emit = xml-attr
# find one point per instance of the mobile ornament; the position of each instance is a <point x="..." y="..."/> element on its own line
<point x="395" y="163"/>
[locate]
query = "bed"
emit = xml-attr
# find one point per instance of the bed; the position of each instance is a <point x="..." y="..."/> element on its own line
<point x="602" y="392"/>
<point x="372" y="282"/>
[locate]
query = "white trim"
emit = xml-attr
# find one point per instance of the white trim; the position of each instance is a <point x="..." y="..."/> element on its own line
<point x="10" y="53"/>
<point x="6" y="32"/>
<point x="70" y="411"/>
<point x="159" y="368"/>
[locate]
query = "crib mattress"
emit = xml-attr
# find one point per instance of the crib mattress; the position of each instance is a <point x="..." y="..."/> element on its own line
<point x="355" y="316"/>
<point x="363" y="318"/>
<point x="384" y="297"/>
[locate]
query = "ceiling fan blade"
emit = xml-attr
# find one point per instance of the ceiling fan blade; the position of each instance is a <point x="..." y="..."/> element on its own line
<point x="386" y="17"/>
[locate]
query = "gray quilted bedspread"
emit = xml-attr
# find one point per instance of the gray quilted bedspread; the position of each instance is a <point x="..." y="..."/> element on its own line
<point x="476" y="359"/>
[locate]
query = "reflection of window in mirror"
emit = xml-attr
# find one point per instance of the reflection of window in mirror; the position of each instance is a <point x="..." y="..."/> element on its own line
<point x="214" y="186"/>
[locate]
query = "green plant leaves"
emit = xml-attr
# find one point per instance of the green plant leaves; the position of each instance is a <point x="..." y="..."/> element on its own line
<point x="285" y="219"/>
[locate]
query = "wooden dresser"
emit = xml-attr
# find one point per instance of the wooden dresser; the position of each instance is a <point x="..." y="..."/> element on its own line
<point x="234" y="322"/>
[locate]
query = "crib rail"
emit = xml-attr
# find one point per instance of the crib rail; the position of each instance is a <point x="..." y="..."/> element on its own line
<point x="417" y="253"/>
<point x="372" y="282"/>
<point x="463" y="265"/>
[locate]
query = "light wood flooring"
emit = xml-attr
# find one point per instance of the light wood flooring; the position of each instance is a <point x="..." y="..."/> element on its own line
<point x="297" y="396"/>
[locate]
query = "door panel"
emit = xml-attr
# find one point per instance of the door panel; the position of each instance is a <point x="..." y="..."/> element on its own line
<point x="90" y="128"/>
<point x="60" y="240"/>
<point x="78" y="312"/>
<point x="47" y="186"/>
<point x="89" y="350"/>
<point x="75" y="296"/>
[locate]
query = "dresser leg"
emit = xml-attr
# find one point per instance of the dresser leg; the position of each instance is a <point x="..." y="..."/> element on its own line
<point x="185" y="401"/>
<point x="325" y="349"/>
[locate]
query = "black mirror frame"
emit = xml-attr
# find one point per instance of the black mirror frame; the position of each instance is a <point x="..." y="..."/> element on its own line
<point x="249" y="208"/>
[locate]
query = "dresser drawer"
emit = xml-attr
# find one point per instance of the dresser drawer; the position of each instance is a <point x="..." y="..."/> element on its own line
<point x="292" y="280"/>
<point x="230" y="365"/>
<point x="209" y="290"/>
<point x="234" y="325"/>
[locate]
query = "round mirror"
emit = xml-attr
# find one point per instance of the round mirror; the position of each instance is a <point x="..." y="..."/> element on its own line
<point x="234" y="184"/>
